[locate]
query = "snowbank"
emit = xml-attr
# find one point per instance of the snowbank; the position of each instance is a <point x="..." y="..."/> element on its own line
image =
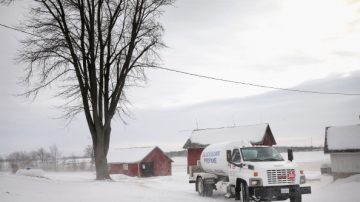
<point x="352" y="179"/>
<point x="334" y="191"/>
<point x="31" y="172"/>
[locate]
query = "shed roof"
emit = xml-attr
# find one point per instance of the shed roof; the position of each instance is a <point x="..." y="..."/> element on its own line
<point x="342" y="139"/>
<point x="255" y="134"/>
<point x="130" y="155"/>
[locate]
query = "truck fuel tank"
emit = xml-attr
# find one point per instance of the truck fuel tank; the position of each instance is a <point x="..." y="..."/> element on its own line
<point x="213" y="159"/>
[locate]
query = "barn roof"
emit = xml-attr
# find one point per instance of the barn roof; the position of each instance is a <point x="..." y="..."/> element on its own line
<point x="130" y="155"/>
<point x="255" y="134"/>
<point x="342" y="139"/>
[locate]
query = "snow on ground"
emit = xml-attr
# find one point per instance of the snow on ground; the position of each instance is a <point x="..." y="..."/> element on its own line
<point x="81" y="186"/>
<point x="77" y="187"/>
<point x="31" y="172"/>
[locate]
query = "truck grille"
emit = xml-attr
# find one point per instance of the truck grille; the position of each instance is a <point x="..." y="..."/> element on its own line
<point x="280" y="176"/>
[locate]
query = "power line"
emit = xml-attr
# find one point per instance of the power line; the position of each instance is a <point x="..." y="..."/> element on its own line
<point x="221" y="79"/>
<point x="19" y="30"/>
<point x="256" y="85"/>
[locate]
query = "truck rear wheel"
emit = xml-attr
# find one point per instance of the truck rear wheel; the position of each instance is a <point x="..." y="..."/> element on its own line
<point x="208" y="190"/>
<point x="200" y="186"/>
<point x="203" y="188"/>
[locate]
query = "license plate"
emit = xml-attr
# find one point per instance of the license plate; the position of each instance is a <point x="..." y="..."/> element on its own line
<point x="284" y="190"/>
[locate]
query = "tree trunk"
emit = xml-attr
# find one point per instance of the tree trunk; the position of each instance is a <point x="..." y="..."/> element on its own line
<point x="101" y="165"/>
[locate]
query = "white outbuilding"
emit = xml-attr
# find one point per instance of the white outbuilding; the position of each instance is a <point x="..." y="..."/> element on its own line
<point x="343" y="145"/>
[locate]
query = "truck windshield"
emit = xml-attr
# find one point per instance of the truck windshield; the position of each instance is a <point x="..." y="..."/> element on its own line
<point x="261" y="154"/>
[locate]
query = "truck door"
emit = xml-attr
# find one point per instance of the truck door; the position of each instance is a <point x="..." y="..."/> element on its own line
<point x="235" y="158"/>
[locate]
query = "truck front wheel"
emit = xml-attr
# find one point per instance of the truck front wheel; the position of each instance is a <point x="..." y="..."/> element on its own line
<point x="242" y="191"/>
<point x="296" y="198"/>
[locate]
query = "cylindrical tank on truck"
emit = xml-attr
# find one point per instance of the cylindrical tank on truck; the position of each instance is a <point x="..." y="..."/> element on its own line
<point x="213" y="159"/>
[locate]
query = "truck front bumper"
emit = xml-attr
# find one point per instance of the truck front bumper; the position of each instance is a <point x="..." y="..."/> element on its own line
<point x="278" y="192"/>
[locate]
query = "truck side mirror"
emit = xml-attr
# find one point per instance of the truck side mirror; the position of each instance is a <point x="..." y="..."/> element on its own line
<point x="290" y="155"/>
<point x="228" y="155"/>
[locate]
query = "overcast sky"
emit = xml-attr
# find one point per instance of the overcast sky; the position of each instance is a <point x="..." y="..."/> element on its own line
<point x="305" y="44"/>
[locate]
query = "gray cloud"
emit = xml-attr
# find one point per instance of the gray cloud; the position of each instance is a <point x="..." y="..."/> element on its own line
<point x="205" y="36"/>
<point x="291" y="115"/>
<point x="346" y="53"/>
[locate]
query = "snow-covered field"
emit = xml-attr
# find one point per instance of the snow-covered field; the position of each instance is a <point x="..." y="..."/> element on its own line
<point x="60" y="187"/>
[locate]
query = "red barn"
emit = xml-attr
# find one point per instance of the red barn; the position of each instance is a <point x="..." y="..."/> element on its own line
<point x="259" y="134"/>
<point x="139" y="161"/>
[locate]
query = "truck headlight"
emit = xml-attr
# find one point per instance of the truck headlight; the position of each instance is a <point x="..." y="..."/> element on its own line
<point x="255" y="182"/>
<point x="302" y="179"/>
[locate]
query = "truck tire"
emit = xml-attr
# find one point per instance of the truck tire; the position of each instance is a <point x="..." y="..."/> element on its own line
<point x="208" y="190"/>
<point x="203" y="189"/>
<point x="296" y="198"/>
<point x="242" y="192"/>
<point x="200" y="186"/>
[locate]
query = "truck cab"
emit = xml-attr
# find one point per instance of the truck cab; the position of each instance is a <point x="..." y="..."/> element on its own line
<point x="264" y="172"/>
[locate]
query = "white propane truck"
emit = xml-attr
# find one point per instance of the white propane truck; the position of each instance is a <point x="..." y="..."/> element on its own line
<point x="247" y="172"/>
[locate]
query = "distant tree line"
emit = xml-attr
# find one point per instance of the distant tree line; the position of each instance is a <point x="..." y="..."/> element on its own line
<point x="176" y="153"/>
<point x="283" y="149"/>
<point x="49" y="160"/>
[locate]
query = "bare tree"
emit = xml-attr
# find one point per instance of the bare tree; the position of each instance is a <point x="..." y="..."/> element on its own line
<point x="20" y="159"/>
<point x="54" y="155"/>
<point x="89" y="152"/>
<point x="34" y="158"/>
<point x="6" y="2"/>
<point x="44" y="157"/>
<point x="73" y="162"/>
<point x="93" y="50"/>
<point x="2" y="163"/>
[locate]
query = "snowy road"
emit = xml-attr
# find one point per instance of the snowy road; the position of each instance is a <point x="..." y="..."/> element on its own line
<point x="71" y="187"/>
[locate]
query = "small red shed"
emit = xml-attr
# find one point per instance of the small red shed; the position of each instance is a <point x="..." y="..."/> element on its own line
<point x="139" y="161"/>
<point x="259" y="134"/>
